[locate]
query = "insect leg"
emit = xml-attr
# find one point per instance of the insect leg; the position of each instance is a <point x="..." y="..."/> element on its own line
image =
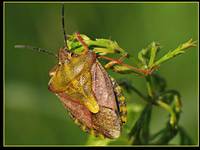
<point x="134" y="69"/>
<point x="112" y="63"/>
<point x="80" y="39"/>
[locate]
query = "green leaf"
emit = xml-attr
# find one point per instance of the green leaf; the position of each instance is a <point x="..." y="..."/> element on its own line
<point x="184" y="137"/>
<point x="140" y="129"/>
<point x="99" y="46"/>
<point x="143" y="57"/>
<point x="164" y="136"/>
<point x="172" y="120"/>
<point x="173" y="98"/>
<point x="145" y="132"/>
<point x="102" y="51"/>
<point x="128" y="86"/>
<point x="179" y="50"/>
<point x="155" y="47"/>
<point x="147" y="55"/>
<point x="123" y="69"/>
<point x="111" y="46"/>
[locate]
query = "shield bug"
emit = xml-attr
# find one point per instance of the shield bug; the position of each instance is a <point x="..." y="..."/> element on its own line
<point x="93" y="99"/>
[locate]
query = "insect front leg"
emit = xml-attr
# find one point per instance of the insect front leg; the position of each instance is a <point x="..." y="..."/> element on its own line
<point x="118" y="66"/>
<point x="80" y="39"/>
<point x="110" y="64"/>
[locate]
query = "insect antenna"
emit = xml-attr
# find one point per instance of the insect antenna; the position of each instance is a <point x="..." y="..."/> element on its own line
<point x="63" y="25"/>
<point x="40" y="50"/>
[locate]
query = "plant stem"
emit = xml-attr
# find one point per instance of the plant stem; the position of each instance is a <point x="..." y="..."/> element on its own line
<point x="145" y="133"/>
<point x="168" y="92"/>
<point x="153" y="54"/>
<point x="170" y="110"/>
<point x="141" y="127"/>
<point x="149" y="86"/>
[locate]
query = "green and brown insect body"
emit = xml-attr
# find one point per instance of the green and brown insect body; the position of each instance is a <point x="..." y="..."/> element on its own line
<point x="93" y="100"/>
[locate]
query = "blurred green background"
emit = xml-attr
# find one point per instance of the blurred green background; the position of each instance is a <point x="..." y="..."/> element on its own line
<point x="34" y="116"/>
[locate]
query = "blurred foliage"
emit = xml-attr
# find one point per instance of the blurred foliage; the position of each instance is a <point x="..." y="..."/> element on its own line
<point x="35" y="116"/>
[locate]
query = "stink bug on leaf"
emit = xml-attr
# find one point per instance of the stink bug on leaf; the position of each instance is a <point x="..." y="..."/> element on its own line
<point x="93" y="99"/>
